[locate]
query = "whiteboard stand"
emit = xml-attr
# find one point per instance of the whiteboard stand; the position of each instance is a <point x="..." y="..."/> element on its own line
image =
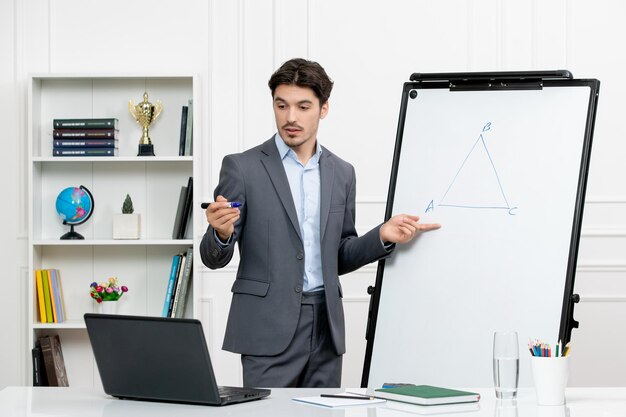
<point x="501" y="161"/>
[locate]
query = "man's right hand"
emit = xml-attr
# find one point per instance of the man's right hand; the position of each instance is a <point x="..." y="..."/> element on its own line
<point x="222" y="218"/>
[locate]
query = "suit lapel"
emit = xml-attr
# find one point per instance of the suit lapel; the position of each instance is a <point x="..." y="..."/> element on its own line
<point x="327" y="176"/>
<point x="276" y="171"/>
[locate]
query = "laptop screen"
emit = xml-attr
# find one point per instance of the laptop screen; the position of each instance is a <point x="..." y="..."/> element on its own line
<point x="155" y="358"/>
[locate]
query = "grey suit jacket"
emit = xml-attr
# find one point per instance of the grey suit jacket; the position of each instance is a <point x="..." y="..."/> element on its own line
<point x="267" y="291"/>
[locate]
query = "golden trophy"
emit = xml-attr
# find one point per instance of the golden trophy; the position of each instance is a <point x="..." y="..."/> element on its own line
<point x="145" y="113"/>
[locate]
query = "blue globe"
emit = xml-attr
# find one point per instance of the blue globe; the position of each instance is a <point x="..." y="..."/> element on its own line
<point x="74" y="206"/>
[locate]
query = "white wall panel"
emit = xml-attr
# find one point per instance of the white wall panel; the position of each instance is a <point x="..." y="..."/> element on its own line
<point x="143" y="36"/>
<point x="517" y="32"/>
<point x="485" y="35"/>
<point x="550" y="34"/>
<point x="591" y="29"/>
<point x="13" y="220"/>
<point x="226" y="135"/>
<point x="259" y="45"/>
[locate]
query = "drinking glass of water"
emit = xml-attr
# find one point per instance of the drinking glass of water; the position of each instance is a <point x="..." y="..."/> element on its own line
<point x="505" y="364"/>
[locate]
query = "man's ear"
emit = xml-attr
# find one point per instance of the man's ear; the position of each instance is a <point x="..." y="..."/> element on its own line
<point x="324" y="110"/>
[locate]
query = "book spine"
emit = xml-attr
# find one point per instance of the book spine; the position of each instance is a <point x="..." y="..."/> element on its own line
<point x="56" y="285"/>
<point x="40" y="298"/>
<point x="61" y="298"/>
<point x="170" y="285"/>
<point x="36" y="352"/>
<point x="186" y="210"/>
<point x="84" y="143"/>
<point x="182" y="198"/>
<point x="48" y="360"/>
<point x="84" y="133"/>
<point x="85" y="152"/>
<point x="46" y="296"/>
<point x="53" y="303"/>
<point x="176" y="290"/>
<point x="183" y="131"/>
<point x="110" y="123"/>
<point x="184" y="284"/>
<point x="59" y="362"/>
<point x="189" y="133"/>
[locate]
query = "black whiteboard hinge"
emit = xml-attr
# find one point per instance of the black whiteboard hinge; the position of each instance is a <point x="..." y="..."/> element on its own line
<point x="503" y="80"/>
<point x="496" y="85"/>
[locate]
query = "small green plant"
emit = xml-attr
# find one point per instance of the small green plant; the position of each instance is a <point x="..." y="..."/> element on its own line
<point x="127" y="207"/>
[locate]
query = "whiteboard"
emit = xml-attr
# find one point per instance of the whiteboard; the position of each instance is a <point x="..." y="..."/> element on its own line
<point x="500" y="170"/>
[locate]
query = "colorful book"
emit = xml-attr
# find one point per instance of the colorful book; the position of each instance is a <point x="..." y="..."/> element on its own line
<point x="84" y="151"/>
<point x="85" y="123"/>
<point x="425" y="395"/>
<point x="176" y="289"/>
<point x="179" y="308"/>
<point x="56" y="286"/>
<point x="85" y="143"/>
<point x="40" y="298"/>
<point x="46" y="296"/>
<point x="170" y="285"/>
<point x="53" y="291"/>
<point x="61" y="297"/>
<point x="85" y="133"/>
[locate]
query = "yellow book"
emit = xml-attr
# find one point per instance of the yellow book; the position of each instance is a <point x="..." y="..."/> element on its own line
<point x="40" y="299"/>
<point x="53" y="303"/>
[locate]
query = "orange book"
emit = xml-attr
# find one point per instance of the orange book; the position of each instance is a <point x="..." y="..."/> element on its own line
<point x="40" y="299"/>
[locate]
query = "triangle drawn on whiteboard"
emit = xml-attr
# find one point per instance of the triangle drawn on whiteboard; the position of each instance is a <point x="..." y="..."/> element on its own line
<point x="476" y="184"/>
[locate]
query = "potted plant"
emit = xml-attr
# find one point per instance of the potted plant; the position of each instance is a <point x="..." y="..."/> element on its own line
<point x="107" y="294"/>
<point x="126" y="225"/>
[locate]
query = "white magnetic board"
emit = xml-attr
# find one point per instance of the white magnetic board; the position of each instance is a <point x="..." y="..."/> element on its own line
<point x="500" y="170"/>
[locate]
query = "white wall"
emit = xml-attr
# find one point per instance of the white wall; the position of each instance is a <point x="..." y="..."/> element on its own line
<point x="369" y="48"/>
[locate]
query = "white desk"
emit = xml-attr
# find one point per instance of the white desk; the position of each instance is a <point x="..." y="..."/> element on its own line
<point x="70" y="402"/>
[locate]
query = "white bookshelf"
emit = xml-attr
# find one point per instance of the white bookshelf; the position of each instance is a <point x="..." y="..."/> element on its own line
<point x="153" y="183"/>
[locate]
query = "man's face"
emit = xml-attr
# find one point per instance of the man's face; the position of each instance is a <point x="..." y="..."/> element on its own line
<point x="298" y="113"/>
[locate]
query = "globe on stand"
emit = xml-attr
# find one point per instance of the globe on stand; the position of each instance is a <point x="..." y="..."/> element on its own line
<point x="74" y="205"/>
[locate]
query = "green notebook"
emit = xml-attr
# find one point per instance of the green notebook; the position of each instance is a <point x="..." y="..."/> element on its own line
<point x="426" y="395"/>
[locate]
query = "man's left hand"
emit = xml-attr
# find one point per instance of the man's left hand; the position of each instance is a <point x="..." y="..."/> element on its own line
<point x="401" y="228"/>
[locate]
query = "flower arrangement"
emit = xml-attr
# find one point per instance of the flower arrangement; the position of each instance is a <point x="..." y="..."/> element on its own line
<point x="107" y="291"/>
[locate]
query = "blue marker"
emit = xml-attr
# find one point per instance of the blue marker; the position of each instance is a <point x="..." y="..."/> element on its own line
<point x="232" y="204"/>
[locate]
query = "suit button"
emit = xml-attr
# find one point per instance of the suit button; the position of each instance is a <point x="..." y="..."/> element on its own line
<point x="300" y="256"/>
<point x="215" y="252"/>
<point x="298" y="288"/>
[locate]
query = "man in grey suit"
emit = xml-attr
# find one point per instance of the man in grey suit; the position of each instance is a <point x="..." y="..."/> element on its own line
<point x="296" y="234"/>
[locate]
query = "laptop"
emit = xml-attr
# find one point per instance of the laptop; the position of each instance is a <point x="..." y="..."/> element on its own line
<point x="158" y="359"/>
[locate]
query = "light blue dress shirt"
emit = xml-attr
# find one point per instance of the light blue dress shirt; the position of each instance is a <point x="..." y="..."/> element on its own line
<point x="304" y="181"/>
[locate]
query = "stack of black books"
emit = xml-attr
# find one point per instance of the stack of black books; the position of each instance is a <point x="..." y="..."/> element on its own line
<point x="85" y="137"/>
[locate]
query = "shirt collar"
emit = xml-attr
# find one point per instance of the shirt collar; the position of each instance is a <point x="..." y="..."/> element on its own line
<point x="284" y="150"/>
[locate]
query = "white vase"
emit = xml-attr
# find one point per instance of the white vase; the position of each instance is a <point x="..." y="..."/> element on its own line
<point x="108" y="307"/>
<point x="126" y="226"/>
